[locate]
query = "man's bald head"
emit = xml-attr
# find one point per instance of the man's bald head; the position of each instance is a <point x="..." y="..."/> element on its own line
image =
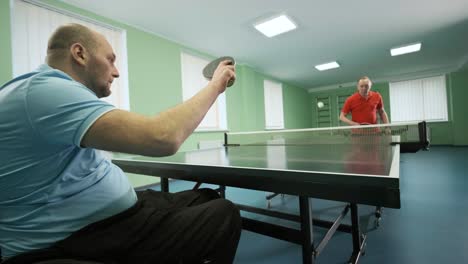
<point x="85" y="55"/>
<point x="364" y="85"/>
<point x="364" y="78"/>
<point x="67" y="35"/>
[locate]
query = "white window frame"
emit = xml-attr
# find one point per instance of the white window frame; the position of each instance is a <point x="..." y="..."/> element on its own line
<point x="274" y="112"/>
<point x="192" y="82"/>
<point x="33" y="22"/>
<point x="419" y="99"/>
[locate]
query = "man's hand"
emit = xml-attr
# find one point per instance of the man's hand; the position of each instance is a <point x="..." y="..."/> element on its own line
<point x="347" y="121"/>
<point x="222" y="75"/>
<point x="387" y="131"/>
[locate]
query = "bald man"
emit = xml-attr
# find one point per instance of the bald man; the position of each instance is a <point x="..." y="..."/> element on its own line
<point x="61" y="198"/>
<point x="364" y="105"/>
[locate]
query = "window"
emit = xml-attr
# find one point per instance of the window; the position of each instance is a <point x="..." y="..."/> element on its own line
<point x="421" y="99"/>
<point x="192" y="82"/>
<point x="33" y="23"/>
<point x="273" y="93"/>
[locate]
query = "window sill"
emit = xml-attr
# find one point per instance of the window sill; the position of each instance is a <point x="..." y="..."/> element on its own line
<point x="211" y="131"/>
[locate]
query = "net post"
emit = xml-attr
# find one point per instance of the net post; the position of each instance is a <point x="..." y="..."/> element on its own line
<point x="422" y="127"/>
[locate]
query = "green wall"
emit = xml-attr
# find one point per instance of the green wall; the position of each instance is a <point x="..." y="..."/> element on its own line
<point x="5" y="42"/>
<point x="297" y="108"/>
<point x="452" y="132"/>
<point x="155" y="82"/>
<point x="459" y="89"/>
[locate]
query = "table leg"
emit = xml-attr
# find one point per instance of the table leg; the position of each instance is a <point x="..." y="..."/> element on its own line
<point x="306" y="230"/>
<point x="164" y="184"/>
<point x="359" y="240"/>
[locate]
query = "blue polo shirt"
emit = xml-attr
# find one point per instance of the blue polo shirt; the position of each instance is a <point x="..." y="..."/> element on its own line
<point x="50" y="186"/>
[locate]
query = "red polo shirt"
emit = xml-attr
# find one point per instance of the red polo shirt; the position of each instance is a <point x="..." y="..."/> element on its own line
<point x="363" y="110"/>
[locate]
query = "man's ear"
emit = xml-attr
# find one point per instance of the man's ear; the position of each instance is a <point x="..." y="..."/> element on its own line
<point x="79" y="53"/>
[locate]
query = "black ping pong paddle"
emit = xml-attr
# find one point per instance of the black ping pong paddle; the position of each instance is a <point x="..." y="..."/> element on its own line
<point x="210" y="68"/>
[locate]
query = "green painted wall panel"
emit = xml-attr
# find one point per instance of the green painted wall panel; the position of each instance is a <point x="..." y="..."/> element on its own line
<point x="5" y="43"/>
<point x="154" y="73"/>
<point x="297" y="108"/>
<point x="459" y="86"/>
<point x="441" y="133"/>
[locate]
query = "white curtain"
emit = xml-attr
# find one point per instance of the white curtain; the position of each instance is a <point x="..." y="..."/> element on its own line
<point x="421" y="99"/>
<point x="273" y="93"/>
<point x="435" y="98"/>
<point x="32" y="25"/>
<point x="192" y="82"/>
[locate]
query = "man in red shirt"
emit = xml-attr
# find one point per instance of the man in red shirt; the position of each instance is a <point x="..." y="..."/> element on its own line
<point x="364" y="105"/>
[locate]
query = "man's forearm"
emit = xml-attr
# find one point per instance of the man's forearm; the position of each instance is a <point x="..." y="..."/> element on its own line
<point x="180" y="121"/>
<point x="183" y="119"/>
<point x="162" y="135"/>
<point x="384" y="117"/>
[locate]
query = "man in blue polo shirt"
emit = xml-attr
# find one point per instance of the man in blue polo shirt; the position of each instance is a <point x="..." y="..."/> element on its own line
<point x="59" y="196"/>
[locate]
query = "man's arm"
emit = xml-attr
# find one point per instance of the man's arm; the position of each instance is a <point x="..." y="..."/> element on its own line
<point x="383" y="115"/>
<point x="347" y="121"/>
<point x="162" y="135"/>
<point x="346" y="109"/>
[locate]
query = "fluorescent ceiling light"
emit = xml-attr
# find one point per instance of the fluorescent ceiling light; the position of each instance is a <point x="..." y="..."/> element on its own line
<point x="327" y="66"/>
<point x="406" y="49"/>
<point x="275" y="26"/>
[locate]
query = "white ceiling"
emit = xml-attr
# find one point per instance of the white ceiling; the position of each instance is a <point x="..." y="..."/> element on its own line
<point x="358" y="34"/>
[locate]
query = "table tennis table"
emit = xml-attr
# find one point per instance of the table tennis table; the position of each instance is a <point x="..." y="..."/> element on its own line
<point x="355" y="165"/>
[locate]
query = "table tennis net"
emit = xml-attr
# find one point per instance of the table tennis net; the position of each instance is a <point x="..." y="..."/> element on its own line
<point x="373" y="134"/>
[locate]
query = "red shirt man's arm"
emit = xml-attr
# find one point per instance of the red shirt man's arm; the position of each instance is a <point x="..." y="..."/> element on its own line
<point x="347" y="106"/>
<point x="381" y="110"/>
<point x="346" y="109"/>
